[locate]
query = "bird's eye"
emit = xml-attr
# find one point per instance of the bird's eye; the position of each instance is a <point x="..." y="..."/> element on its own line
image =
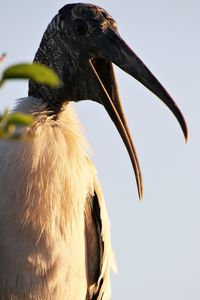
<point x="80" y="26"/>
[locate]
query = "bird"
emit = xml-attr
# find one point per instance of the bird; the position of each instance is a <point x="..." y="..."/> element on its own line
<point x="55" y="240"/>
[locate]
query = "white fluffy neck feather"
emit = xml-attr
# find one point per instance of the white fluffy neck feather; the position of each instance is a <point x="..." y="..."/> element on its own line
<point x="53" y="167"/>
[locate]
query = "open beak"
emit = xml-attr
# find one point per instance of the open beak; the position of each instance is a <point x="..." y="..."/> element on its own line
<point x="112" y="48"/>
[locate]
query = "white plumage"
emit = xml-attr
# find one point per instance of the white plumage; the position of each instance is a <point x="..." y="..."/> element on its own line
<point x="45" y="182"/>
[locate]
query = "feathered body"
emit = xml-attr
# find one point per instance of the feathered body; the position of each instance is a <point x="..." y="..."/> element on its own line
<point x="47" y="184"/>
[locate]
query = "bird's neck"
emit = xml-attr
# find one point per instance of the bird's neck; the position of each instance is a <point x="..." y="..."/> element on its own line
<point x="54" y="53"/>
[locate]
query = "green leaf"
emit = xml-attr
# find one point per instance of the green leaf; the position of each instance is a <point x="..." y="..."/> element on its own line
<point x="36" y="72"/>
<point x="17" y="119"/>
<point x="10" y="123"/>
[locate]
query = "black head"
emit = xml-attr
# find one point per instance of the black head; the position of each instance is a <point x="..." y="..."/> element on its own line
<point x="81" y="28"/>
<point x="80" y="44"/>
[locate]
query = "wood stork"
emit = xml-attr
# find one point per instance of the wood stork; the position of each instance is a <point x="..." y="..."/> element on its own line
<point x="54" y="228"/>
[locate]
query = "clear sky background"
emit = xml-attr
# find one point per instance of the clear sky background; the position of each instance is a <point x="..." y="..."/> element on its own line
<point x="157" y="241"/>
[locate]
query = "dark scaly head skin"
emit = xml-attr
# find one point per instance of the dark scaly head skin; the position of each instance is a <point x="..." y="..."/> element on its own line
<point x="80" y="44"/>
<point x="67" y="47"/>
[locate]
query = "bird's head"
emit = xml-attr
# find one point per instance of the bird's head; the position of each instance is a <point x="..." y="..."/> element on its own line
<point x="80" y="44"/>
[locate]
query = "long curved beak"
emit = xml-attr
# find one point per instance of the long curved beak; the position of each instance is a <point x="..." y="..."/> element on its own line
<point x="112" y="48"/>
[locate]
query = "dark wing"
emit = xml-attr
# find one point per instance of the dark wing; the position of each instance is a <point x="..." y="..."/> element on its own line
<point x="99" y="257"/>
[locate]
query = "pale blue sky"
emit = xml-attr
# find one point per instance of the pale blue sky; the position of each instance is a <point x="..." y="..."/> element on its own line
<point x="156" y="242"/>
